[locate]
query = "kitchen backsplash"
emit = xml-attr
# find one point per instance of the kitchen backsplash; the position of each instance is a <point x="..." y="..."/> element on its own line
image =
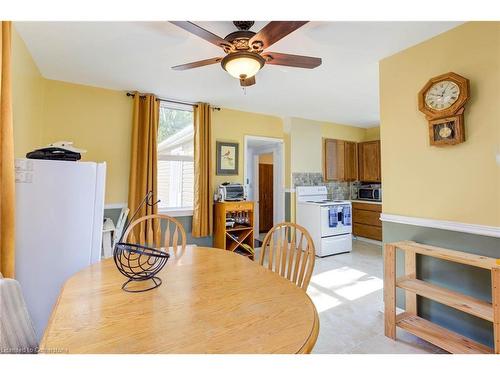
<point x="336" y="190"/>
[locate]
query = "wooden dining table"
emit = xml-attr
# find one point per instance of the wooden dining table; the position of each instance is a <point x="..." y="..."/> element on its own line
<point x="210" y="301"/>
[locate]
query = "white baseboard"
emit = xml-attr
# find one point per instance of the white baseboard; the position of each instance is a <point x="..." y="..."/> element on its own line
<point x="481" y="230"/>
<point x="368" y="240"/>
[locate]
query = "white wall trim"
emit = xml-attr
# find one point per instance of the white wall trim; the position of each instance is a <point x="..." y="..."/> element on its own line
<point x="262" y="138"/>
<point x="481" y="230"/>
<point x="112" y="206"/>
<point x="291" y="190"/>
<point x="176" y="212"/>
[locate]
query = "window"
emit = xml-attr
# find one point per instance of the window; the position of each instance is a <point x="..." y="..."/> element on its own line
<point x="175" y="157"/>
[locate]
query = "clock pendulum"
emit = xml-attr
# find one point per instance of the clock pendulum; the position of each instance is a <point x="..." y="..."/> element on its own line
<point x="445" y="131"/>
<point x="442" y="100"/>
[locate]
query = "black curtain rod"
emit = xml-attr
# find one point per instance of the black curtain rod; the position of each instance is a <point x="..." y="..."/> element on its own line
<point x="174" y="101"/>
<point x="165" y="100"/>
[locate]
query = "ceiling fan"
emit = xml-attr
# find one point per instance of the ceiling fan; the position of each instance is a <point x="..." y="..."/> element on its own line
<point x="244" y="49"/>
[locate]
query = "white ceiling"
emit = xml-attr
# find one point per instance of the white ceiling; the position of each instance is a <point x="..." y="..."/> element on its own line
<point x="138" y="56"/>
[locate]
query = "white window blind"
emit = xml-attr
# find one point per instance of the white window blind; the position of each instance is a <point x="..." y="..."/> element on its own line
<point x="175" y="157"/>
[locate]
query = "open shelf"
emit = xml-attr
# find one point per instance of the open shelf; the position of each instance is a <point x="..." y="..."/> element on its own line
<point x="244" y="253"/>
<point x="235" y="242"/>
<point x="439" y="336"/>
<point x="411" y="322"/>
<point x="459" y="301"/>
<point x="238" y="228"/>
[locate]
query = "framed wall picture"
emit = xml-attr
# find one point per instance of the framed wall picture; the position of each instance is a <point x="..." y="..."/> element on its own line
<point x="227" y="158"/>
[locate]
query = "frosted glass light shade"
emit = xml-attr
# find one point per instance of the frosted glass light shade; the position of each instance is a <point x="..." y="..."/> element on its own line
<point x="242" y="65"/>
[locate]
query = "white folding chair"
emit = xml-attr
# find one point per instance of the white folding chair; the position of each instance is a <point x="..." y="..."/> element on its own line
<point x="120" y="224"/>
<point x="17" y="335"/>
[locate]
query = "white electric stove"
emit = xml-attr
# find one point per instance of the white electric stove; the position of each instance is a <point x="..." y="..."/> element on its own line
<point x="329" y="222"/>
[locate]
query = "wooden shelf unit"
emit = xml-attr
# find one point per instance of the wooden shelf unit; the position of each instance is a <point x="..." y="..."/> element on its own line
<point x="231" y="238"/>
<point x="411" y="322"/>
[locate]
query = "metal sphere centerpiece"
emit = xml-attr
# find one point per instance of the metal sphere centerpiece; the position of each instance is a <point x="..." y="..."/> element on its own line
<point x="138" y="262"/>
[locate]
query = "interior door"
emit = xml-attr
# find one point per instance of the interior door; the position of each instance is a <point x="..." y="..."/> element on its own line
<point x="265" y="197"/>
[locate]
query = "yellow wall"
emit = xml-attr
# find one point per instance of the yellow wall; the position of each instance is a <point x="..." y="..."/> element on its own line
<point x="345" y="132"/>
<point x="459" y="183"/>
<point x="27" y="98"/>
<point x="231" y="125"/>
<point x="266" y="158"/>
<point x="372" y="134"/>
<point x="97" y="120"/>
<point x="305" y="143"/>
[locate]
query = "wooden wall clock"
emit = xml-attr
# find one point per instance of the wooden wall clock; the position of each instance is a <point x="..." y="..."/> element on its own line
<point x="442" y="100"/>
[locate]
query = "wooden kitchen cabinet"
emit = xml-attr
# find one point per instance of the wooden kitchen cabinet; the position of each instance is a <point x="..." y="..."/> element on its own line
<point x="340" y="160"/>
<point x="366" y="220"/>
<point x="350" y="161"/>
<point x="369" y="161"/>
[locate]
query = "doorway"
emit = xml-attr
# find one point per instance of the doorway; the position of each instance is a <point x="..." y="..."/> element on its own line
<point x="265" y="192"/>
<point x="264" y="160"/>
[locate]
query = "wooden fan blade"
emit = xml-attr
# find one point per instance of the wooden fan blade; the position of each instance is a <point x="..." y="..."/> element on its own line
<point x="197" y="64"/>
<point x="276" y="58"/>
<point x="247" y="81"/>
<point x="274" y="31"/>
<point x="201" y="32"/>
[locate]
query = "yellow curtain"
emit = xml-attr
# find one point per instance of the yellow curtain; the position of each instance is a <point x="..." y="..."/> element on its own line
<point x="143" y="160"/>
<point x="203" y="197"/>
<point x="7" y="184"/>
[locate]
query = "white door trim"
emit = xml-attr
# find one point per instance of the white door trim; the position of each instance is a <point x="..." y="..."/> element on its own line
<point x="256" y="218"/>
<point x="276" y="146"/>
<point x="481" y="230"/>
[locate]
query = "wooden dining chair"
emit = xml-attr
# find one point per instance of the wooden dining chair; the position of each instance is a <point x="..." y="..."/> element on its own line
<point x="288" y="250"/>
<point x="158" y="231"/>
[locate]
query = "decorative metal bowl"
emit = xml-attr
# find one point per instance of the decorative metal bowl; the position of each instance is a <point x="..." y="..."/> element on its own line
<point x="139" y="263"/>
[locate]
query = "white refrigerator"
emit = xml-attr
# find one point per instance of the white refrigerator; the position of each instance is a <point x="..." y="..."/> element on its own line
<point x="59" y="220"/>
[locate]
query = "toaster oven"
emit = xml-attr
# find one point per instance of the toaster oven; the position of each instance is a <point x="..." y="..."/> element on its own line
<point x="231" y="192"/>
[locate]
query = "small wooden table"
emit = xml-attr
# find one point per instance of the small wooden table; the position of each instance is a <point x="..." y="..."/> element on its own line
<point x="211" y="301"/>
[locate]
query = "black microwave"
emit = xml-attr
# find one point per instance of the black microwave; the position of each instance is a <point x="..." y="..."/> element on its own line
<point x="370" y="194"/>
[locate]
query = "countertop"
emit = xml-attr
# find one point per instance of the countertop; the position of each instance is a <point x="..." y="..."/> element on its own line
<point x="362" y="201"/>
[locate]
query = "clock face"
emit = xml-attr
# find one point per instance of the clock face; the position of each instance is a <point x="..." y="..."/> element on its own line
<point x="442" y="95"/>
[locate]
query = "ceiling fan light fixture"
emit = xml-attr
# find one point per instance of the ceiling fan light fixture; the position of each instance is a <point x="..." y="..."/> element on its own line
<point x="242" y="65"/>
